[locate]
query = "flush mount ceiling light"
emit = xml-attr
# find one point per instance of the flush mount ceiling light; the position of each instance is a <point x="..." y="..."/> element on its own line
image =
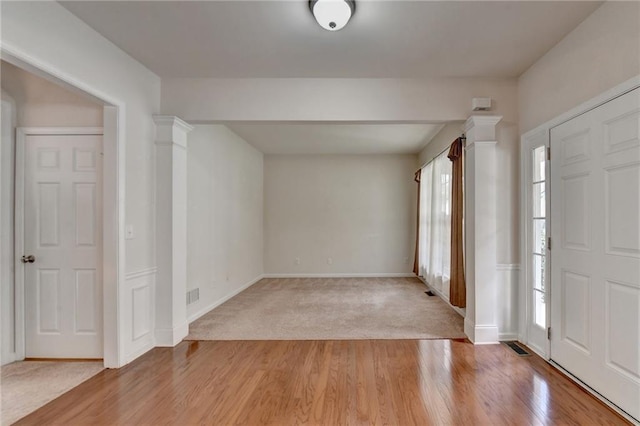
<point x="332" y="15"/>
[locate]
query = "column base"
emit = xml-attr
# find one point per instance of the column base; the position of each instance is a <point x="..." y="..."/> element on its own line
<point x="481" y="334"/>
<point x="169" y="337"/>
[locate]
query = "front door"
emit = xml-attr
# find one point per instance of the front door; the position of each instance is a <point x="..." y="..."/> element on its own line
<point x="62" y="228"/>
<point x="595" y="253"/>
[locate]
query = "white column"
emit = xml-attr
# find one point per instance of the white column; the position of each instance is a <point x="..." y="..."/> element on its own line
<point x="480" y="323"/>
<point x="171" y="230"/>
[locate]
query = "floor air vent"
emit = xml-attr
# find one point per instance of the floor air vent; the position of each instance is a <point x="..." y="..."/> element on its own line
<point x="429" y="293"/>
<point x="517" y="349"/>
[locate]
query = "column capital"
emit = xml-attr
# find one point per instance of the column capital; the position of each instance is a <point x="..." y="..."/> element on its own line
<point x="481" y="128"/>
<point x="171" y="130"/>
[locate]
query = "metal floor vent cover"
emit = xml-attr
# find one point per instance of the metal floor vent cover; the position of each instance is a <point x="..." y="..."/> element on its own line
<point x="517" y="349"/>
<point x="429" y="293"/>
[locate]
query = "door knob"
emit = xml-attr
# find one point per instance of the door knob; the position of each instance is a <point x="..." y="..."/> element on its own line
<point x="28" y="259"/>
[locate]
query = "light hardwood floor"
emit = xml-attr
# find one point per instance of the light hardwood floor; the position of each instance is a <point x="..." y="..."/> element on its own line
<point x="401" y="382"/>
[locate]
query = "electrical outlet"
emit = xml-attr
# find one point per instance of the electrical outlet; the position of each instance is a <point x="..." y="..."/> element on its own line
<point x="329" y="261"/>
<point x="406" y="260"/>
<point x="297" y="260"/>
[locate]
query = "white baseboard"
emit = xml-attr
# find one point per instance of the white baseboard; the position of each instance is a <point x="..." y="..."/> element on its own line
<point x="538" y="351"/>
<point x="481" y="334"/>
<point x="459" y="310"/>
<point x="191" y="318"/>
<point x="345" y="275"/>
<point x="506" y="337"/>
<point x="138" y="352"/>
<point x="9" y="358"/>
<point x="169" y="337"/>
<point x="468" y="328"/>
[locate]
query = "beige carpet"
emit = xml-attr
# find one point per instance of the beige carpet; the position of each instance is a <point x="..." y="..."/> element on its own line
<point x="28" y="385"/>
<point x="331" y="309"/>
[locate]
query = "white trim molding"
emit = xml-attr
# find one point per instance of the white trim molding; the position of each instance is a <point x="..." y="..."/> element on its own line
<point x="139" y="312"/>
<point x="60" y="131"/>
<point x="481" y="334"/>
<point x="220" y="301"/>
<point x="344" y="275"/>
<point x="171" y="130"/>
<point x="140" y="273"/>
<point x="169" y="337"/>
<point x="507" y="267"/>
<point x="483" y="127"/>
<point x="507" y="281"/>
<point x="461" y="311"/>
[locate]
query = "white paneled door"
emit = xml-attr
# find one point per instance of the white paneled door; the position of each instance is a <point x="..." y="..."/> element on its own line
<point x="62" y="226"/>
<point x="595" y="253"/>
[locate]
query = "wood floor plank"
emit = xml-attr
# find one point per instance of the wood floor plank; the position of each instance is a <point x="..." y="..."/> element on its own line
<point x="364" y="382"/>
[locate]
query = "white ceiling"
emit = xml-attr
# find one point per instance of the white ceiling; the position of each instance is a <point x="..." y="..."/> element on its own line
<point x="337" y="138"/>
<point x="385" y="39"/>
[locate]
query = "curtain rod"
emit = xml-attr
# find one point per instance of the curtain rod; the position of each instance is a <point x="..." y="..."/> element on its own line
<point x="464" y="139"/>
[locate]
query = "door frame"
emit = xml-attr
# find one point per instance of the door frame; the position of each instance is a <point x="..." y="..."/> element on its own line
<point x="528" y="142"/>
<point x="20" y="302"/>
<point x="113" y="147"/>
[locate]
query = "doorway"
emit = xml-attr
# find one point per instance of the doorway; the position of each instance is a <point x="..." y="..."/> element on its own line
<point x="99" y="321"/>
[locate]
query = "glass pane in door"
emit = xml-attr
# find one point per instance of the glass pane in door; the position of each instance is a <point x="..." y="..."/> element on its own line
<point x="539" y="199"/>
<point x="539" y="162"/>
<point x="538" y="237"/>
<point x="539" y="310"/>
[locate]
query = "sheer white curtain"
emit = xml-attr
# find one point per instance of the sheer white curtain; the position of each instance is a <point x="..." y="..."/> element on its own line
<point x="435" y="223"/>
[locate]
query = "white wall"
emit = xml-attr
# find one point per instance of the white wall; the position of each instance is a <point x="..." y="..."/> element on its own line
<point x="41" y="103"/>
<point x="7" y="288"/>
<point x="435" y="100"/>
<point x="360" y="211"/>
<point x="440" y="142"/>
<point x="45" y="34"/>
<point x="600" y="53"/>
<point x="224" y="215"/>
